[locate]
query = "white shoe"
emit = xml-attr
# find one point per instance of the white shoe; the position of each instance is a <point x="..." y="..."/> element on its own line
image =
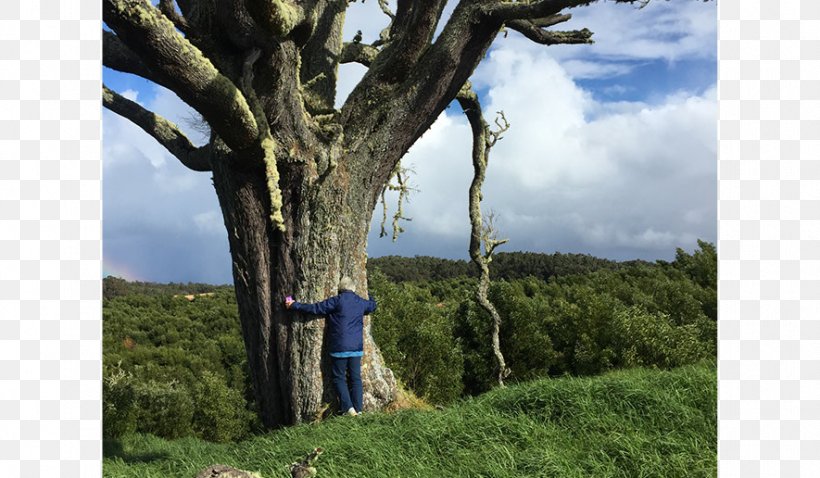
<point x="351" y="411"/>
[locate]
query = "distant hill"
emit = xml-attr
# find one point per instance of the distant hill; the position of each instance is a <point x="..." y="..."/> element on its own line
<point x="505" y="265"/>
<point x="116" y="287"/>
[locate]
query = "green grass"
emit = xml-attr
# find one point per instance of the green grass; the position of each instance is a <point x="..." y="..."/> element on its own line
<point x="632" y="423"/>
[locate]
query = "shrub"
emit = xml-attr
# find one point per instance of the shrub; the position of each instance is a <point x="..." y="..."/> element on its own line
<point x="415" y="336"/>
<point x="164" y="409"/>
<point x="119" y="412"/>
<point x="220" y="414"/>
<point x="650" y="339"/>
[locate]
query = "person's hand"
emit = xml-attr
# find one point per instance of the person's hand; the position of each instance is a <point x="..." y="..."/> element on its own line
<point x="289" y="301"/>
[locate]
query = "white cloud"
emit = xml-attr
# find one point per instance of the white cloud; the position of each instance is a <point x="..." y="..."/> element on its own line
<point x="131" y="95"/>
<point x="621" y="180"/>
<point x="625" y="35"/>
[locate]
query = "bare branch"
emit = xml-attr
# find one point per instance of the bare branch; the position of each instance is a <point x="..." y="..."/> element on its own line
<point x="117" y="56"/>
<point x="404" y="189"/>
<point x="546" y="37"/>
<point x="321" y="56"/>
<point x="386" y="9"/>
<point x="410" y="33"/>
<point x="166" y="133"/>
<point x="167" y="9"/>
<point x="424" y="78"/>
<point x="504" y="10"/>
<point x="489" y="236"/>
<point x="184" y="69"/>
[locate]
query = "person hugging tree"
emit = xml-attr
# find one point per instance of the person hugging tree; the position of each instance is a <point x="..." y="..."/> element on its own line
<point x="345" y="313"/>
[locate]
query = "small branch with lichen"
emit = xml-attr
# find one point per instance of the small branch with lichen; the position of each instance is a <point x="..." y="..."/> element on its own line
<point x="483" y="231"/>
<point x="266" y="141"/>
<point x="547" y="37"/>
<point x="118" y="57"/>
<point x="163" y="131"/>
<point x="167" y="9"/>
<point x="489" y="236"/>
<point x="404" y="190"/>
<point x="386" y="9"/>
<point x="505" y="10"/>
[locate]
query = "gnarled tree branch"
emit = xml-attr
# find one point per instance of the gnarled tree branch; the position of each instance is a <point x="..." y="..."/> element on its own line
<point x="483" y="140"/>
<point x="504" y="10"/>
<point x="321" y="56"/>
<point x="546" y="37"/>
<point x="167" y="9"/>
<point x="411" y="32"/>
<point x="166" y="133"/>
<point x="117" y="56"/>
<point x="550" y="20"/>
<point x="279" y="17"/>
<point x="184" y="69"/>
<point x="355" y="52"/>
<point x="386" y="9"/>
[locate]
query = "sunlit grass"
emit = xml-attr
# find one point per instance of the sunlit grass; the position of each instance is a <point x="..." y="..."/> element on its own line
<point x="632" y="423"/>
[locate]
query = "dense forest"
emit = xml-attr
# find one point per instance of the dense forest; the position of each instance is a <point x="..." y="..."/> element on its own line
<point x="174" y="363"/>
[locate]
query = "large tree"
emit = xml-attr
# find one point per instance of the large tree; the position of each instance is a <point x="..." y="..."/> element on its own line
<point x="298" y="179"/>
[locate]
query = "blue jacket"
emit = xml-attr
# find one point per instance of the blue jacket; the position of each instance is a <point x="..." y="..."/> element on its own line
<point x="345" y="313"/>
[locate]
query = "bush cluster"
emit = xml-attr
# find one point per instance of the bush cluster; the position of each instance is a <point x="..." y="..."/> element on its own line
<point x="174" y="367"/>
<point x="638" y="314"/>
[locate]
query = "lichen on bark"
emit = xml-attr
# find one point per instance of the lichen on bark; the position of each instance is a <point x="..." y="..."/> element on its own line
<point x="272" y="180"/>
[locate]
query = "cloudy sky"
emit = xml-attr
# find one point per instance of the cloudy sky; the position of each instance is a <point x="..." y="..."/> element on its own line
<point x="612" y="151"/>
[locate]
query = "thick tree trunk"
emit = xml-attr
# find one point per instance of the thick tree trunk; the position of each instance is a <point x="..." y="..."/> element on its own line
<point x="327" y="219"/>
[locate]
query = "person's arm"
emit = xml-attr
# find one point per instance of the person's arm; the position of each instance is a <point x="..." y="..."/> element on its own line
<point x="319" y="308"/>
<point x="371" y="304"/>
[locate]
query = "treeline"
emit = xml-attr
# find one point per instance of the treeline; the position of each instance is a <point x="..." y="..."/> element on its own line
<point x="115" y="287"/>
<point x="175" y="367"/>
<point x="506" y="265"/>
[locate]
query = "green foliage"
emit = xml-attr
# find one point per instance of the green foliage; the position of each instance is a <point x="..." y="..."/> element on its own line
<point x="651" y="339"/>
<point x="165" y="409"/>
<point x="415" y="336"/>
<point x="174" y="367"/>
<point x="119" y="411"/>
<point x="625" y="424"/>
<point x="220" y="413"/>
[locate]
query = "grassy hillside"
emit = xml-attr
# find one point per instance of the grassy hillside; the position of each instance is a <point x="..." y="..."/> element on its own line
<point x="630" y="423"/>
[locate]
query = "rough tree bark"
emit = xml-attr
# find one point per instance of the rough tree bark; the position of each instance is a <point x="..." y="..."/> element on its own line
<point x="298" y="180"/>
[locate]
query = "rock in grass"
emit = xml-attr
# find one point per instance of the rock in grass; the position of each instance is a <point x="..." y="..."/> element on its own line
<point x="225" y="471"/>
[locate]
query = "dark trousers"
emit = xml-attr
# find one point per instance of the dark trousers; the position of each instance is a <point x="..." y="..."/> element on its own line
<point x="350" y="392"/>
